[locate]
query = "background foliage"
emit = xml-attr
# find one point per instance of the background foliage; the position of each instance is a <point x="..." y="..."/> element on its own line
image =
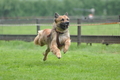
<point x="22" y="8"/>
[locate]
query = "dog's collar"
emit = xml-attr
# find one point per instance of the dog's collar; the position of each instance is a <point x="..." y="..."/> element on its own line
<point x="59" y="31"/>
<point x="57" y="38"/>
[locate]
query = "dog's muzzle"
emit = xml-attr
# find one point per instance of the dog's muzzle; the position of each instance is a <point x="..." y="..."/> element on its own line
<point x="64" y="25"/>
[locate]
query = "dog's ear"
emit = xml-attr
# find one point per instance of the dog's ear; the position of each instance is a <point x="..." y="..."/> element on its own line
<point x="66" y="14"/>
<point x="56" y="15"/>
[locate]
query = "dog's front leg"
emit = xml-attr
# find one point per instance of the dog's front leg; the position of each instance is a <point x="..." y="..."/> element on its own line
<point x="55" y="49"/>
<point x="67" y="44"/>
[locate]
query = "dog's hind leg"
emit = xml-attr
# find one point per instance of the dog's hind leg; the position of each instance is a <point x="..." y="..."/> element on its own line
<point x="46" y="53"/>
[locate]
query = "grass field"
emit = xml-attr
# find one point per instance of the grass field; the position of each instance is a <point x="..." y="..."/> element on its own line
<point x="23" y="61"/>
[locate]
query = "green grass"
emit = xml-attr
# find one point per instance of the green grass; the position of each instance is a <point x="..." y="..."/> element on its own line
<point x="85" y="30"/>
<point x="101" y="30"/>
<point x="23" y="61"/>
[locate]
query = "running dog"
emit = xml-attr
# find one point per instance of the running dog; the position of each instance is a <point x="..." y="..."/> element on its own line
<point x="57" y="38"/>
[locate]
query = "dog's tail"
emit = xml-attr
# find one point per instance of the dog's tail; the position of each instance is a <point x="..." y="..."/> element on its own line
<point x="36" y="40"/>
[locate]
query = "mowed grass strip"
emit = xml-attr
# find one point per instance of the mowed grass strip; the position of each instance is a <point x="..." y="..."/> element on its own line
<point x="23" y="61"/>
<point x="85" y="30"/>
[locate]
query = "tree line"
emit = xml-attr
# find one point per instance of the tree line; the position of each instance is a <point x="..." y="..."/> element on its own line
<point x="28" y="8"/>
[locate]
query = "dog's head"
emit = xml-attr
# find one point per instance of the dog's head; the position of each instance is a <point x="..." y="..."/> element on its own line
<point x="62" y="22"/>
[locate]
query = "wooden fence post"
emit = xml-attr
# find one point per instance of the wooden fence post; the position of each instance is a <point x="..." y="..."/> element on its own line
<point x="38" y="25"/>
<point x="78" y="32"/>
<point x="119" y="19"/>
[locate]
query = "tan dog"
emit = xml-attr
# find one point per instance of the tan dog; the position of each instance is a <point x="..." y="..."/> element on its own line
<point x="57" y="38"/>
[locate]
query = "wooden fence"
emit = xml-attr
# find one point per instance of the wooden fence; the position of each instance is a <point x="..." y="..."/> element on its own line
<point x="89" y="39"/>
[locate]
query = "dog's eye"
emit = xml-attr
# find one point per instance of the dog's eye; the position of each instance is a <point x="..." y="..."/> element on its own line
<point x="62" y="19"/>
<point x="68" y="19"/>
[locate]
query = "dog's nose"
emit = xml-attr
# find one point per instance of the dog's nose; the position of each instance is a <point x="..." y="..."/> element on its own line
<point x="66" y="23"/>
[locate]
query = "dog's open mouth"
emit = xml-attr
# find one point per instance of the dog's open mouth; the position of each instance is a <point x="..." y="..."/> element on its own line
<point x="64" y="25"/>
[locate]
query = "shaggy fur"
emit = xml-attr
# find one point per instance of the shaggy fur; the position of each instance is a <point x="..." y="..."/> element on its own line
<point x="57" y="38"/>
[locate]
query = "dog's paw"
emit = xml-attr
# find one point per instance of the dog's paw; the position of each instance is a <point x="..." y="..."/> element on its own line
<point x="65" y="50"/>
<point x="58" y="54"/>
<point x="44" y="59"/>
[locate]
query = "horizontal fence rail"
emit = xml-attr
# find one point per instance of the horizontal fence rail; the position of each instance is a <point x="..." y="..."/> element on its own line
<point x="104" y="39"/>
